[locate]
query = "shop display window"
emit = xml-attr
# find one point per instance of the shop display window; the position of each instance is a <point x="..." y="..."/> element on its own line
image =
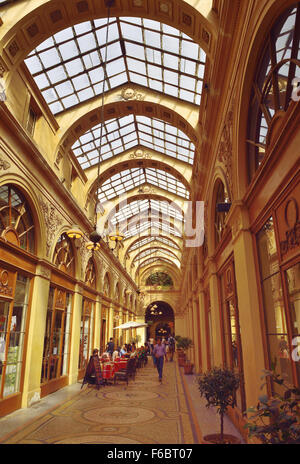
<point x="57" y="335"/>
<point x="279" y="331"/>
<point x="12" y="332"/>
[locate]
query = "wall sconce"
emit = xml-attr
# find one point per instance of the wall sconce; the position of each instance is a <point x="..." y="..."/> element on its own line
<point x="75" y="232"/>
<point x="94" y="238"/>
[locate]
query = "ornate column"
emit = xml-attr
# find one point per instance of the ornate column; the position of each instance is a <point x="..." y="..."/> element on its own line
<point x="75" y="335"/>
<point x="202" y="330"/>
<point x="197" y="336"/>
<point x="215" y="313"/>
<point x="98" y="317"/>
<point x="35" y="345"/>
<point x="248" y="301"/>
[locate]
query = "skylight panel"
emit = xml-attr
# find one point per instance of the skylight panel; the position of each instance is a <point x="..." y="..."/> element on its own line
<point x="154" y="55"/>
<point x="131" y="131"/>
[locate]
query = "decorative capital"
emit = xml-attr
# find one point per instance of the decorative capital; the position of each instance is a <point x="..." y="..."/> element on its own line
<point x="4" y="165"/>
<point x="52" y="221"/>
<point x="129" y="93"/>
<point x="140" y="154"/>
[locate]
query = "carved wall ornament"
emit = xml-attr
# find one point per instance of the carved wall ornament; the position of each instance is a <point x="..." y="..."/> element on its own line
<point x="4" y="165"/>
<point x="58" y="159"/>
<point x="5" y="288"/>
<point x="164" y="7"/>
<point x="292" y="227"/>
<point x="45" y="272"/>
<point x="53" y="222"/>
<point x="2" y="88"/>
<point x="85" y="255"/>
<point x="2" y="69"/>
<point x="139" y="153"/>
<point x="146" y="189"/>
<point x="225" y="150"/>
<point x="131" y="94"/>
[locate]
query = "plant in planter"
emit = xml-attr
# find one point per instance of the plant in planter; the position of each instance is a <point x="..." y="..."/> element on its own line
<point x="183" y="344"/>
<point x="219" y="386"/>
<point x="276" y="419"/>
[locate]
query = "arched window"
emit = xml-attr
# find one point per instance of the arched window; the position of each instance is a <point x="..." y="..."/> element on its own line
<point x="16" y="222"/>
<point x="64" y="257"/>
<point x="90" y="274"/>
<point x="273" y="85"/>
<point x="159" y="279"/>
<point x="220" y="213"/>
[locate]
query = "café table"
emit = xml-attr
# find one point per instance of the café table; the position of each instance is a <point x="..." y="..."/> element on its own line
<point x="108" y="371"/>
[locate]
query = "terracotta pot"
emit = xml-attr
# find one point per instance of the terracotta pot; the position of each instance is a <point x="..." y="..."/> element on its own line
<point x="215" y="439"/>
<point x="188" y="368"/>
<point x="181" y="358"/>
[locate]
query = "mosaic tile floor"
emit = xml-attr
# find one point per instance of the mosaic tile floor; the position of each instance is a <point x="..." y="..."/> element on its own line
<point x="118" y="414"/>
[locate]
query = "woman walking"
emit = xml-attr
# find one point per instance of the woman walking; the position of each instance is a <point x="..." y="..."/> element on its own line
<point x="159" y="353"/>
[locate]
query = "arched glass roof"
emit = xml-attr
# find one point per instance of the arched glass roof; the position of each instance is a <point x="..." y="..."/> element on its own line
<point x="147" y="240"/>
<point x="129" y="179"/>
<point x="119" y="135"/>
<point x="154" y="252"/>
<point x="154" y="226"/>
<point x="68" y="67"/>
<point x="156" y="261"/>
<point x="153" y="207"/>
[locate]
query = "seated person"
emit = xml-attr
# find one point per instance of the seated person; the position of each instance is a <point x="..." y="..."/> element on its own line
<point x="123" y="351"/>
<point x="133" y="353"/>
<point x="115" y="355"/>
<point x="105" y="356"/>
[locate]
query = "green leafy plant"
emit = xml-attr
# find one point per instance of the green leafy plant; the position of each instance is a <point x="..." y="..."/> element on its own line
<point x="276" y="419"/>
<point x="219" y="386"/>
<point x="160" y="279"/>
<point x="183" y="343"/>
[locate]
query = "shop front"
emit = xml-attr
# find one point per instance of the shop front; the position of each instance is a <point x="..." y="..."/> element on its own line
<point x="57" y="337"/>
<point x="17" y="269"/>
<point x="278" y="262"/>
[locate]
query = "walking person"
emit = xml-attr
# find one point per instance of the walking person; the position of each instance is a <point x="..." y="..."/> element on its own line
<point x="159" y="352"/>
<point x="171" y="342"/>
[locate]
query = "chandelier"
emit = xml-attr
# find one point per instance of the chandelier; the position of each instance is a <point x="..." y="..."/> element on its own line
<point x="75" y="232"/>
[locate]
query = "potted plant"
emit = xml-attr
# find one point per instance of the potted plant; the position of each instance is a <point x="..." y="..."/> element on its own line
<point x="183" y="344"/>
<point x="180" y="353"/>
<point x="276" y="419"/>
<point x="219" y="387"/>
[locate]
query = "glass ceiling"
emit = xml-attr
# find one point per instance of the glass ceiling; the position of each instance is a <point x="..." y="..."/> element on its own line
<point x="119" y="135"/>
<point x="68" y="67"/>
<point x="155" y="226"/>
<point x="148" y="240"/>
<point x="154" y="252"/>
<point x="153" y="207"/>
<point x="155" y="260"/>
<point x="131" y="178"/>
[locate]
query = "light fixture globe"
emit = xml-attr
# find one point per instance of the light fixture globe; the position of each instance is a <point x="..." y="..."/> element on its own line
<point x="74" y="232"/>
<point x="117" y="236"/>
<point x="92" y="246"/>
